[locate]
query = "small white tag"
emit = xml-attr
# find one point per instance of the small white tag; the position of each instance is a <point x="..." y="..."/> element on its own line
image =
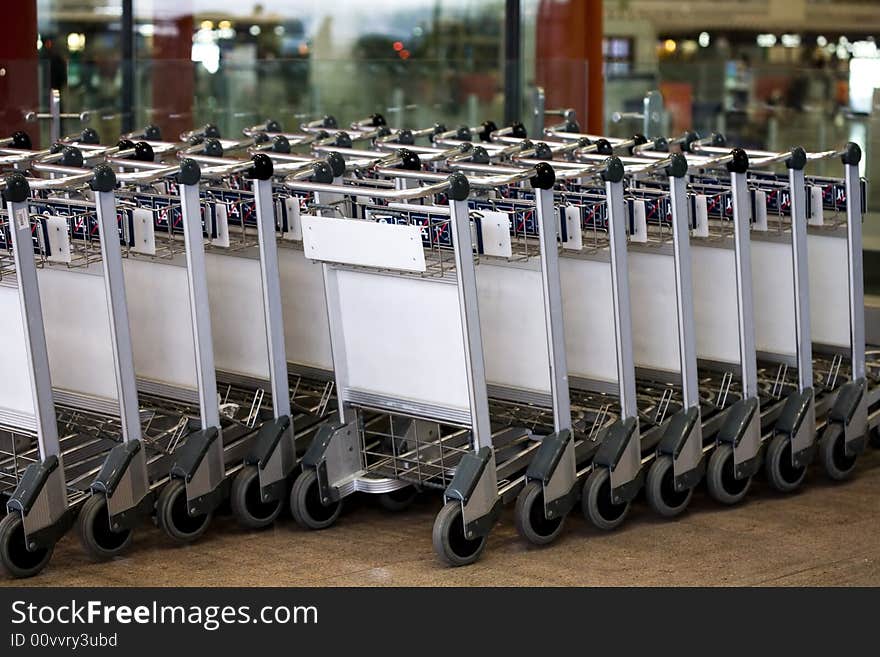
<point x="640" y="222"/>
<point x="817" y="217"/>
<point x="760" y="211"/>
<point x="701" y="208"/>
<point x="575" y="240"/>
<point x="22" y="219"/>
<point x="294" y="223"/>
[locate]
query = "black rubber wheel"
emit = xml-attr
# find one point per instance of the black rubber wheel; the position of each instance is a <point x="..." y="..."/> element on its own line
<point x="173" y="516"/>
<point x="306" y="505"/>
<point x="531" y="522"/>
<point x="596" y="501"/>
<point x="781" y="473"/>
<point x="450" y="542"/>
<point x="17" y="560"/>
<point x="398" y="500"/>
<point x="660" y="490"/>
<point x="724" y="487"/>
<point x="247" y="502"/>
<point x="832" y="453"/>
<point x="100" y="541"/>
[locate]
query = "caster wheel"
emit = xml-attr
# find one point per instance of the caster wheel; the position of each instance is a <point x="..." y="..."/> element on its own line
<point x="17" y="560"/>
<point x="724" y="487"/>
<point x="306" y="505"/>
<point x="248" y="506"/>
<point x="450" y="542"/>
<point x="173" y="517"/>
<point x="596" y="502"/>
<point x="660" y="490"/>
<point x="531" y="523"/>
<point x="398" y="500"/>
<point x="93" y="525"/>
<point x="832" y="453"/>
<point x="781" y="474"/>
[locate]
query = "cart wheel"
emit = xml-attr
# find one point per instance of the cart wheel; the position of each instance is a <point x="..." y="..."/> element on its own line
<point x="724" y="487"/>
<point x="248" y="506"/>
<point x="17" y="560"/>
<point x="99" y="540"/>
<point x="596" y="501"/>
<point x="783" y="476"/>
<point x="450" y="543"/>
<point x="531" y="523"/>
<point x="660" y="490"/>
<point x="398" y="500"/>
<point x="832" y="453"/>
<point x="173" y="517"/>
<point x="306" y="505"/>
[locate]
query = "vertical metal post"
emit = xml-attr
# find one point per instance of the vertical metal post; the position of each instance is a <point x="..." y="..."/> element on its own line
<point x="126" y="33"/>
<point x="120" y="331"/>
<point x="684" y="292"/>
<point x="271" y="286"/>
<point x="512" y="62"/>
<point x="552" y="288"/>
<point x="538" y="111"/>
<point x="801" y="271"/>
<point x="470" y="323"/>
<point x="200" y="309"/>
<point x="744" y="295"/>
<point x="55" y="115"/>
<point x="856" y="271"/>
<point x="626" y="376"/>
<point x="34" y="332"/>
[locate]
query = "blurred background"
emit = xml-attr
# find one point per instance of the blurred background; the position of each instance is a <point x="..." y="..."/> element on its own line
<point x="766" y="73"/>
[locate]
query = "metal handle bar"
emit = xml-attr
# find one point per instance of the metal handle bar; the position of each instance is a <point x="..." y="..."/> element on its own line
<point x="371" y="192"/>
<point x="33" y="117"/>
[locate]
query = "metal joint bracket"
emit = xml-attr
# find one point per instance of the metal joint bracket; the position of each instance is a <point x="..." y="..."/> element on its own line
<point x="683" y="441"/>
<point x="124" y="481"/>
<point x="200" y="464"/>
<point x="851" y="410"/>
<point x="620" y="452"/>
<point x="335" y="455"/>
<point x="475" y="485"/>
<point x="41" y="499"/>
<point x="555" y="467"/>
<point x="798" y="421"/>
<point x="274" y="454"/>
<point x="742" y="429"/>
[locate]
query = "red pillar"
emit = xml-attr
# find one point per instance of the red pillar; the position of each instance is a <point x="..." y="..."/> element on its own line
<point x="172" y="69"/>
<point x="18" y="69"/>
<point x="568" y="53"/>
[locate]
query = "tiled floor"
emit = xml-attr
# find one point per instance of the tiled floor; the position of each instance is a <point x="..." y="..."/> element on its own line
<point x="825" y="535"/>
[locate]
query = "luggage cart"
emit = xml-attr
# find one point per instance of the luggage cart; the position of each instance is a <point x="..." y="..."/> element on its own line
<point x="93" y="399"/>
<point x="435" y="459"/>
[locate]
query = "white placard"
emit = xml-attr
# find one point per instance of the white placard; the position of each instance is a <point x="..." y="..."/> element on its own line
<point x="511" y="302"/>
<point x="575" y="241"/>
<point x="716" y="310"/>
<point x="144" y="238"/>
<point x="495" y="227"/>
<point x="304" y="306"/>
<point x="701" y="209"/>
<point x="294" y="222"/>
<point x="773" y="297"/>
<point x="639" y="226"/>
<point x="15" y="372"/>
<point x="829" y="290"/>
<point x="588" y="312"/>
<point x="817" y="216"/>
<point x="760" y="222"/>
<point x="221" y="219"/>
<point x="402" y="338"/>
<point x="365" y="243"/>
<point x="654" y="305"/>
<point x="59" y="239"/>
<point x="238" y="324"/>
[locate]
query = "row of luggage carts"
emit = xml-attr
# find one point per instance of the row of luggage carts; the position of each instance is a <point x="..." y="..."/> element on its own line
<point x="289" y="318"/>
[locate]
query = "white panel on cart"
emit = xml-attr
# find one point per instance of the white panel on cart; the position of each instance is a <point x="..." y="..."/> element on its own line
<point x="495" y="227"/>
<point x="304" y="306"/>
<point x="77" y="325"/>
<point x="403" y="338"/>
<point x="59" y="239"/>
<point x="238" y="323"/>
<point x="773" y="294"/>
<point x="161" y="325"/>
<point x="572" y="217"/>
<point x="654" y="306"/>
<point x="716" y="310"/>
<point x="144" y="232"/>
<point x="365" y="243"/>
<point x="587" y="307"/>
<point x="511" y="302"/>
<point x="829" y="290"/>
<point x="15" y="382"/>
